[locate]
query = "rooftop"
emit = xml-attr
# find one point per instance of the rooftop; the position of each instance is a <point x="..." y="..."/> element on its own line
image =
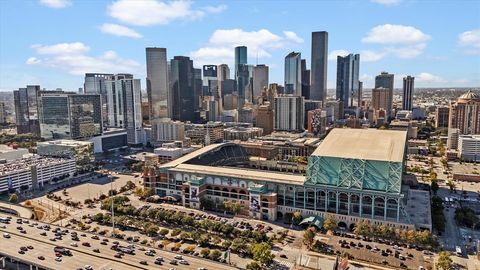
<point x="369" y="144"/>
<point x="25" y="163"/>
<point x="242" y="173"/>
<point x="65" y="143"/>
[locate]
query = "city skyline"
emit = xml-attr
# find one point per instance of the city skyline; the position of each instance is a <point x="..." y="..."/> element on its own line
<point x="113" y="40"/>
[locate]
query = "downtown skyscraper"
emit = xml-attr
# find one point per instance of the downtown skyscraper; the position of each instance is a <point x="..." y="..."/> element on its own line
<point x="157" y="83"/>
<point x="26" y="109"/>
<point x="348" y="89"/>
<point x="182" y="84"/>
<point x="386" y="80"/>
<point x="293" y="74"/>
<point x="408" y="86"/>
<point x="318" y="71"/>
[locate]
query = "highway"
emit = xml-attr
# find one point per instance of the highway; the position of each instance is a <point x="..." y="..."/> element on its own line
<point x="83" y="255"/>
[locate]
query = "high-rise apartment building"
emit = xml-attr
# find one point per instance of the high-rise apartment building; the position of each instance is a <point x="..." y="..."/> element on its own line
<point x="94" y="83"/>
<point x="157" y="83"/>
<point x="408" y="86"/>
<point x="223" y="73"/>
<point x="318" y="71"/>
<point x="26" y="109"/>
<point x="182" y="88"/>
<point x="70" y="116"/>
<point x="289" y="113"/>
<point x="310" y="105"/>
<point x="3" y="113"/>
<point x="265" y="118"/>
<point x="124" y="100"/>
<point x="381" y="99"/>
<point x="305" y="80"/>
<point x="260" y="79"/>
<point x="293" y="74"/>
<point x="317" y="121"/>
<point x="168" y="130"/>
<point x="386" y="81"/>
<point x="210" y="81"/>
<point x="348" y="89"/>
<point x="465" y="114"/>
<point x="441" y="117"/>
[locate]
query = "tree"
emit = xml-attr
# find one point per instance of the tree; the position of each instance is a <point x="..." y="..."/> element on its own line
<point x="254" y="266"/>
<point x="164" y="232"/>
<point x="329" y="224"/>
<point x="362" y="228"/>
<point x="434" y="187"/>
<point x="233" y="206"/>
<point x="433" y="176"/>
<point x="309" y="237"/>
<point x="13" y="198"/>
<point x="451" y="185"/>
<point x="205" y="252"/>
<point x="214" y="255"/>
<point x="444" y="261"/>
<point x="297" y="218"/>
<point x="238" y="245"/>
<point x="262" y="253"/>
<point x="150" y="229"/>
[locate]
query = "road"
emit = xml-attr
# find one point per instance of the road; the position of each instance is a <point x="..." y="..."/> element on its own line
<point x="84" y="255"/>
<point x="21" y="211"/>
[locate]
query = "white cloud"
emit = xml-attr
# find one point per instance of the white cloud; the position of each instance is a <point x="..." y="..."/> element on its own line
<point x="371" y="56"/>
<point x="56" y="3"/>
<point x="217" y="9"/>
<point x="386" y="2"/>
<point x="395" y="34"/>
<point x="155" y="12"/>
<point x="332" y="56"/>
<point x="72" y="58"/>
<point x="293" y="36"/>
<point x="33" y="61"/>
<point x="397" y="40"/>
<point x="119" y="30"/>
<point x="471" y="41"/>
<point x="428" y="78"/>
<point x="220" y="47"/>
<point x="61" y="48"/>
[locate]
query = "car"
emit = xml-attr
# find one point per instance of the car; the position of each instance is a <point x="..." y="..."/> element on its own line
<point x="6" y="235"/>
<point x="174" y="262"/>
<point x="58" y="259"/>
<point x="118" y="255"/>
<point x="30" y="247"/>
<point x="103" y="243"/>
<point x="173" y="268"/>
<point x="184" y="262"/>
<point x="140" y="248"/>
<point x="95" y="237"/>
<point x="105" y="239"/>
<point x="43" y="233"/>
<point x="83" y="235"/>
<point x="96" y="250"/>
<point x="201" y="268"/>
<point x="88" y="267"/>
<point x="21" y="252"/>
<point x="24" y="248"/>
<point x="19" y="228"/>
<point x="73" y="244"/>
<point x="283" y="256"/>
<point x="86" y="244"/>
<point x="41" y="258"/>
<point x="178" y="257"/>
<point x="3" y="227"/>
<point x="403" y="265"/>
<point x="149" y="253"/>
<point x="53" y="239"/>
<point x="144" y="262"/>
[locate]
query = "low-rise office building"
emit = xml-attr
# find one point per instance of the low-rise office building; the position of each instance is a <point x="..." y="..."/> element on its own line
<point x="469" y="147"/>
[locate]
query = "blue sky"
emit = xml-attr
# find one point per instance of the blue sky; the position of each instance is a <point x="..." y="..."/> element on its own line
<point x="54" y="42"/>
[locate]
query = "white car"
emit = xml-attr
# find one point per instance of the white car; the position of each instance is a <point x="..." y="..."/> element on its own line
<point x="58" y="259"/>
<point x="88" y="267"/>
<point x="74" y="244"/>
<point x="6" y="235"/>
<point x="184" y="262"/>
<point x="178" y="257"/>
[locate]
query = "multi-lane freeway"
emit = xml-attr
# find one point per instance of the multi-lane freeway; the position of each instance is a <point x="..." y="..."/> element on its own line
<point x="103" y="258"/>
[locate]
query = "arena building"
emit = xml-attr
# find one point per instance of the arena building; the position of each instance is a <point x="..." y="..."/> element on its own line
<point x="353" y="175"/>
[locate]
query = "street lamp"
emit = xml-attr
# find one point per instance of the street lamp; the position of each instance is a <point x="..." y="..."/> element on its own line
<point x="113" y="197"/>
